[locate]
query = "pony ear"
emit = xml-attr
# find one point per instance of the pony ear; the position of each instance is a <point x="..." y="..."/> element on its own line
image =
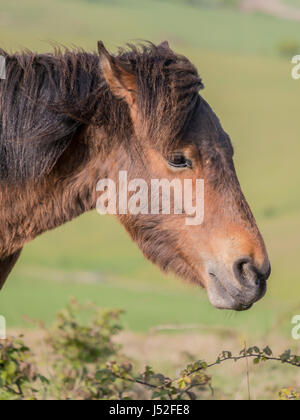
<point x="165" y="45"/>
<point x="119" y="76"/>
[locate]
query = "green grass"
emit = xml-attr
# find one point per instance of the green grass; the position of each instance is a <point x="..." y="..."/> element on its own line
<point x="146" y="304"/>
<point x="294" y="3"/>
<point x="33" y="23"/>
<point x="253" y="93"/>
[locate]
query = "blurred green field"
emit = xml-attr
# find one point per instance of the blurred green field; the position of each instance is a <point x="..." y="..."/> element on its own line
<point x="251" y="89"/>
<point x="33" y="23"/>
<point x="294" y="3"/>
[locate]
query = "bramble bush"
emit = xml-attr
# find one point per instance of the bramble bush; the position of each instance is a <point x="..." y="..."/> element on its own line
<point x="18" y="376"/>
<point x="86" y="364"/>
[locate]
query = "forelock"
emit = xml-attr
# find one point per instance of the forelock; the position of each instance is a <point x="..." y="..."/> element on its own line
<point x="168" y="87"/>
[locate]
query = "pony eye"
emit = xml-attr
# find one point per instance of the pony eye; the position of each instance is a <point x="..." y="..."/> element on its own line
<point x="178" y="160"/>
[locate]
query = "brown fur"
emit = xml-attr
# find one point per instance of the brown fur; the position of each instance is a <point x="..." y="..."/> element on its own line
<point x="69" y="119"/>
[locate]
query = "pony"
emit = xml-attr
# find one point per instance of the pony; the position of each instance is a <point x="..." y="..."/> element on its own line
<point x="70" y="117"/>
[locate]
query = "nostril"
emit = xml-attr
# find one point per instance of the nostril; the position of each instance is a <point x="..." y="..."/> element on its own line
<point x="248" y="275"/>
<point x="241" y="269"/>
<point x="263" y="275"/>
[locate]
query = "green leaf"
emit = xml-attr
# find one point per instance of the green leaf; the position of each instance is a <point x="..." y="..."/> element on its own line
<point x="156" y="394"/>
<point x="268" y="351"/>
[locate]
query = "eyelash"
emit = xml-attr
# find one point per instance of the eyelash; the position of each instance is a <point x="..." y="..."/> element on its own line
<point x="178" y="160"/>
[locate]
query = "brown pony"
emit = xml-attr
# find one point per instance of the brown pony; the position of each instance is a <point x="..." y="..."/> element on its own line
<point x="70" y="118"/>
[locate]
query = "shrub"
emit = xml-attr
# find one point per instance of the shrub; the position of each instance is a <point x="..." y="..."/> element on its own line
<point x="289" y="394"/>
<point x="18" y="375"/>
<point x="88" y="365"/>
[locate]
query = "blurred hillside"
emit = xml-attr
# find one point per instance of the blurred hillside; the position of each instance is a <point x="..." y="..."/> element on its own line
<point x="250" y="87"/>
<point x="34" y="23"/>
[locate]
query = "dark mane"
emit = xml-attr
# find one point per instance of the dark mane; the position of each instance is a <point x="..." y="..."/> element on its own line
<point x="168" y="89"/>
<point x="47" y="99"/>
